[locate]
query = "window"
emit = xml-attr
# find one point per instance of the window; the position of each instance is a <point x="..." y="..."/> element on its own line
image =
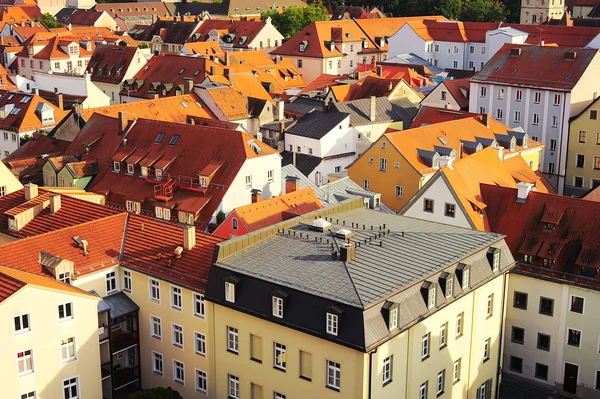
<point x="155" y="327"/>
<point x="116" y="166"/>
<point x="577" y="304"/>
<point x="471" y="49"/>
<point x="486" y="350"/>
<point x="332" y="324"/>
<point x="555" y="120"/>
<point x="546" y="306"/>
<point x="25" y="362"/>
<point x="517" y="116"/>
<point x="543" y="342"/>
<point x="333" y="375"/>
<point x="441" y="379"/>
<point x="277" y="306"/>
<point x="454" y="64"/>
<point x="518" y="335"/>
<point x="71" y="388"/>
<point x="431" y="299"/>
<point x="229" y="292"/>
<point x="177" y="335"/>
<point x="396" y="165"/>
<point x="541" y="372"/>
<point x="65" y="311"/>
<point x="199" y="306"/>
<point x="574" y="338"/>
<point x="449" y="287"/>
<point x="176" y="298"/>
<point x="200" y="344"/>
<point x="471" y="65"/>
<point x="596" y="162"/>
<point x="593" y="114"/>
<point x="582" y="136"/>
<point x="399" y="191"/>
<point x="443" y="335"/>
<point x="277" y="395"/>
<point x="578" y="181"/>
<point x="67" y="349"/>
<point x="500" y="94"/>
<point x="597" y="380"/>
<point x="270" y="175"/>
<point x="383" y="145"/>
<point x="428" y="205"/>
<point x="456" y="373"/>
<point x="518" y="95"/>
<point x="279" y="357"/>
<point x="456" y="49"/>
<point x="551" y="167"/>
<point x="22" y="323"/>
<point x="155" y="291"/>
<point x="248" y="181"/>
<point x="465" y="279"/>
<point x="387" y="370"/>
<point x="537" y="97"/>
<point x="232" y="339"/>
<point x="201" y="382"/>
<point x="366" y="184"/>
<point x="499" y="113"/>
<point x="580" y="161"/>
<point x="443" y="95"/>
<point x="552" y="144"/>
<point x="111" y="282"/>
<point x="490" y="305"/>
<point x="2" y="190"/>
<point x="126" y="281"/>
<point x="450" y="210"/>
<point x="178" y="372"/>
<point x="299" y="63"/>
<point x="130" y="168"/>
<point x="436" y="48"/>
<point x="234" y="387"/>
<point x="337" y="169"/>
<point x="382" y="164"/>
<point x="536" y="119"/>
<point x="393" y="323"/>
<point x="423" y="390"/>
<point x="482" y="110"/>
<point x="425" y="346"/>
<point x="516" y="364"/>
<point x="556" y="99"/>
<point x="305" y="366"/>
<point x="28" y="395"/>
<point x="234" y="224"/>
<point x="483" y="92"/>
<point x="459" y="325"/>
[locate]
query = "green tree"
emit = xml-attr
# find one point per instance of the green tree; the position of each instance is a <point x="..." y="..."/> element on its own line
<point x="49" y="21"/>
<point x="156" y="393"/>
<point x="294" y="19"/>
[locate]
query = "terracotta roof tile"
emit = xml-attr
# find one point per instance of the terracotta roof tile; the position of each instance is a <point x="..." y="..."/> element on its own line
<point x="26" y="119"/>
<point x="431" y="115"/>
<point x="133" y="9"/>
<point x="9" y="285"/>
<point x="238" y="30"/>
<point x="229" y="101"/>
<point x="170" y="32"/>
<point x="109" y="63"/>
<point x="83" y="18"/>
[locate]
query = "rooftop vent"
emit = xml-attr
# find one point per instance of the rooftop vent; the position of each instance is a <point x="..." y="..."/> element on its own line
<point x="343" y="233"/>
<point x="570" y="55"/>
<point x="320" y="225"/>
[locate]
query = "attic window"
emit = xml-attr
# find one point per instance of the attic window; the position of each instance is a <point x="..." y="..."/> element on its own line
<point x="15" y="111"/>
<point x="173" y="140"/>
<point x="302" y="47"/>
<point x="443" y="140"/>
<point x="25" y="99"/>
<point x="255" y="147"/>
<point x="463" y="272"/>
<point x="429" y="294"/>
<point x="159" y="138"/>
<point x="365" y="43"/>
<point x="493" y="256"/>
<point x="196" y="73"/>
<point x="549" y="227"/>
<point x="568" y="75"/>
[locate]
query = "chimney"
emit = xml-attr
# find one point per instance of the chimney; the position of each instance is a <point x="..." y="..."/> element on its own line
<point x="188" y="85"/>
<point x="380" y="70"/>
<point x="54" y="203"/>
<point x="347" y="252"/>
<point x="189" y="237"/>
<point x="280" y="110"/>
<point x="390" y="86"/>
<point x="122" y="122"/>
<point x="69" y="27"/>
<point x="278" y="59"/>
<point x="256" y="195"/>
<point x="59" y="101"/>
<point x="31" y="191"/>
<point x="292" y="184"/>
<point x="523" y="190"/>
<point x="484" y="120"/>
<point x="373" y="112"/>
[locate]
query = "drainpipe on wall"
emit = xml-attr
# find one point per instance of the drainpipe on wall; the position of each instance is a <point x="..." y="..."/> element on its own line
<point x="371" y="368"/>
<point x="502" y="326"/>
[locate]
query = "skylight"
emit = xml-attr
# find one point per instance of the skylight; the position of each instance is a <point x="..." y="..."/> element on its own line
<point x="159" y="138"/>
<point x="173" y="140"/>
<point x="183" y="104"/>
<point x="15" y="111"/>
<point x="25" y="99"/>
<point x="181" y="70"/>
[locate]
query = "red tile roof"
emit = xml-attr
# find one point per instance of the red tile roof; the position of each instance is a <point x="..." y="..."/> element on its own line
<point x="572" y="243"/>
<point x="26" y="119"/>
<point x="431" y="115"/>
<point x="322" y="82"/>
<point x="83" y="18"/>
<point x="459" y="89"/>
<point x="38" y="146"/>
<point x="170" y="32"/>
<point x="593" y="195"/>
<point x="133" y="9"/>
<point x="242" y="32"/>
<point x="110" y="63"/>
<point x="9" y="286"/>
<point x="535" y="66"/>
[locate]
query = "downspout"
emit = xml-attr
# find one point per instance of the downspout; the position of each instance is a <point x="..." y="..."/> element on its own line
<point x="470" y="344"/>
<point x="371" y="369"/>
<point x="562" y="132"/>
<point x="407" y="365"/>
<point x="502" y="325"/>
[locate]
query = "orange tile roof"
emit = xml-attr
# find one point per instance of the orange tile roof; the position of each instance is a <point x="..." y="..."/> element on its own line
<point x="16" y="14"/>
<point x="521" y="172"/>
<point x="168" y="109"/>
<point x="459" y="89"/>
<point x="9" y="285"/>
<point x="205" y="48"/>
<point x="431" y="115"/>
<point x="247" y="84"/>
<point x="231" y="103"/>
<point x="323" y="81"/>
<point x="27" y="119"/>
<point x="273" y="210"/>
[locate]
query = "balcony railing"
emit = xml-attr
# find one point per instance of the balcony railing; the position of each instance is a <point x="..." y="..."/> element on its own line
<point x="124" y="341"/>
<point x="126" y="376"/>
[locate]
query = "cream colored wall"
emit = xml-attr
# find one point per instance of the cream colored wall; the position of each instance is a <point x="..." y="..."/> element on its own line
<point x="587" y="87"/>
<point x="434" y="99"/>
<point x="8" y="180"/>
<point x="272" y="380"/>
<point x="5" y="238"/>
<point x="589" y="149"/>
<point x="44" y="339"/>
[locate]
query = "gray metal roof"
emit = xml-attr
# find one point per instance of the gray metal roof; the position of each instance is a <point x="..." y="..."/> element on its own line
<point x="118" y="304"/>
<point x="400" y="109"/>
<point x="316" y="124"/>
<point x="302" y="105"/>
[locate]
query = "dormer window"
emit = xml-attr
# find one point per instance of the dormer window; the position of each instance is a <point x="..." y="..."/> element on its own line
<point x="333" y="315"/>
<point x="158" y="173"/>
<point x="429" y="295"/>
<point x="231" y="288"/>
<point x="331" y="46"/>
<point x="526" y="141"/>
<point x="130" y="168"/>
<point x="463" y="273"/>
<point x="446" y="281"/>
<point x="116" y="166"/>
<point x="278" y="301"/>
<point x="493" y="256"/>
<point x="431" y="300"/>
<point x="547" y="262"/>
<point x="389" y="311"/>
<point x="12" y="224"/>
<point x="513" y="144"/>
<point x="365" y="44"/>
<point x="302" y="46"/>
<point x="65" y="277"/>
<point x="549" y="227"/>
<point x="234" y="224"/>
<point x="528" y="258"/>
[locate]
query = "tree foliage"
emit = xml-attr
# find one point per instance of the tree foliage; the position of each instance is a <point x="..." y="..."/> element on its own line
<point x="294" y="19"/>
<point x="49" y="21"/>
<point x="156" y="393"/>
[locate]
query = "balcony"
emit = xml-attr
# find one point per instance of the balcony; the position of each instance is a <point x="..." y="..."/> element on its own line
<point x="123" y="341"/>
<point x="126" y="376"/>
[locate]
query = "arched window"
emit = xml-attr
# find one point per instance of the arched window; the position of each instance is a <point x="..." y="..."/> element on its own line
<point x="234" y="223"/>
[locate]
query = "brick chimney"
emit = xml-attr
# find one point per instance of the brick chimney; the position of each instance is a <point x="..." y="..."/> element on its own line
<point x="280" y="107"/>
<point x="380" y="70"/>
<point x="31" y="191"/>
<point x="484" y="120"/>
<point x="256" y="195"/>
<point x="54" y="203"/>
<point x="292" y="184"/>
<point x="188" y="85"/>
<point x="373" y="113"/>
<point x="189" y="237"/>
<point x="122" y="122"/>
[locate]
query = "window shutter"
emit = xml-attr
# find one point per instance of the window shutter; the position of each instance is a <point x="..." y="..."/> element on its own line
<point x="488" y="389"/>
<point x="478" y="392"/>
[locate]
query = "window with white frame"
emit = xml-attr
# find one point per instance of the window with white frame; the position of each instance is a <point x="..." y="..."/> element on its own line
<point x="29" y="395"/>
<point x="127" y="281"/>
<point x="366" y="184"/>
<point x="25" y="362"/>
<point x="277" y="395"/>
<point x="332" y="324"/>
<point x="393" y="318"/>
<point x="449" y="287"/>
<point x="518" y="95"/>
<point x="157" y="363"/>
<point x="500" y="94"/>
<point x="490" y="305"/>
<point x="178" y="372"/>
<point x="67" y="350"/>
<point x="537" y="97"/>
<point x="155" y="327"/>
<point x="200" y="344"/>
<point x="111" y="282"/>
<point x="387" y="370"/>
<point x="270" y="175"/>
<point x="22" y="323"/>
<point x="431" y="301"/>
<point x="496" y="261"/>
<point x="399" y="191"/>
<point x="486" y="350"/>
<point x="176" y="300"/>
<point x="459" y="325"/>
<point x="116" y="166"/>
<point x="382" y="164"/>
<point x="557" y="99"/>
<point x="483" y="91"/>
<point x="441" y="381"/>
<point x="232" y="339"/>
<point x="465" y="279"/>
<point x="199" y="306"/>
<point x="248" y="181"/>
<point x="229" y="292"/>
<point x="177" y="335"/>
<point x="155" y="290"/>
<point x="279" y="356"/>
<point x="555" y="120"/>
<point x="277" y="306"/>
<point x="443" y="335"/>
<point x="456" y="371"/>
<point x="499" y="113"/>
<point x="65" y="311"/>
<point x="443" y="95"/>
<point x="536" y="119"/>
<point x="130" y="168"/>
<point x="423" y="390"/>
<point x="333" y="375"/>
<point x="425" y="346"/>
<point x="234" y="387"/>
<point x="201" y="382"/>
<point x="517" y="116"/>
<point x="71" y="388"/>
<point x="454" y="64"/>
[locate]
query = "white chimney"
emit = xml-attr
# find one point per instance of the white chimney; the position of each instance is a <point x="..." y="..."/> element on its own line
<point x="31" y="191"/>
<point x="54" y="203"/>
<point x="280" y="108"/>
<point x="523" y="191"/>
<point x="189" y="237"/>
<point x="446" y="161"/>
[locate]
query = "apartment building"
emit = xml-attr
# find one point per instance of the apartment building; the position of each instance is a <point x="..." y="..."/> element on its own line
<point x="552" y="332"/>
<point x="583" y="159"/>
<point x="165" y="35"/>
<point x="338" y="311"/>
<point x="510" y="89"/>
<point x="449" y="94"/>
<point x="400" y="163"/>
<point x="537" y="12"/>
<point x="234" y="35"/>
